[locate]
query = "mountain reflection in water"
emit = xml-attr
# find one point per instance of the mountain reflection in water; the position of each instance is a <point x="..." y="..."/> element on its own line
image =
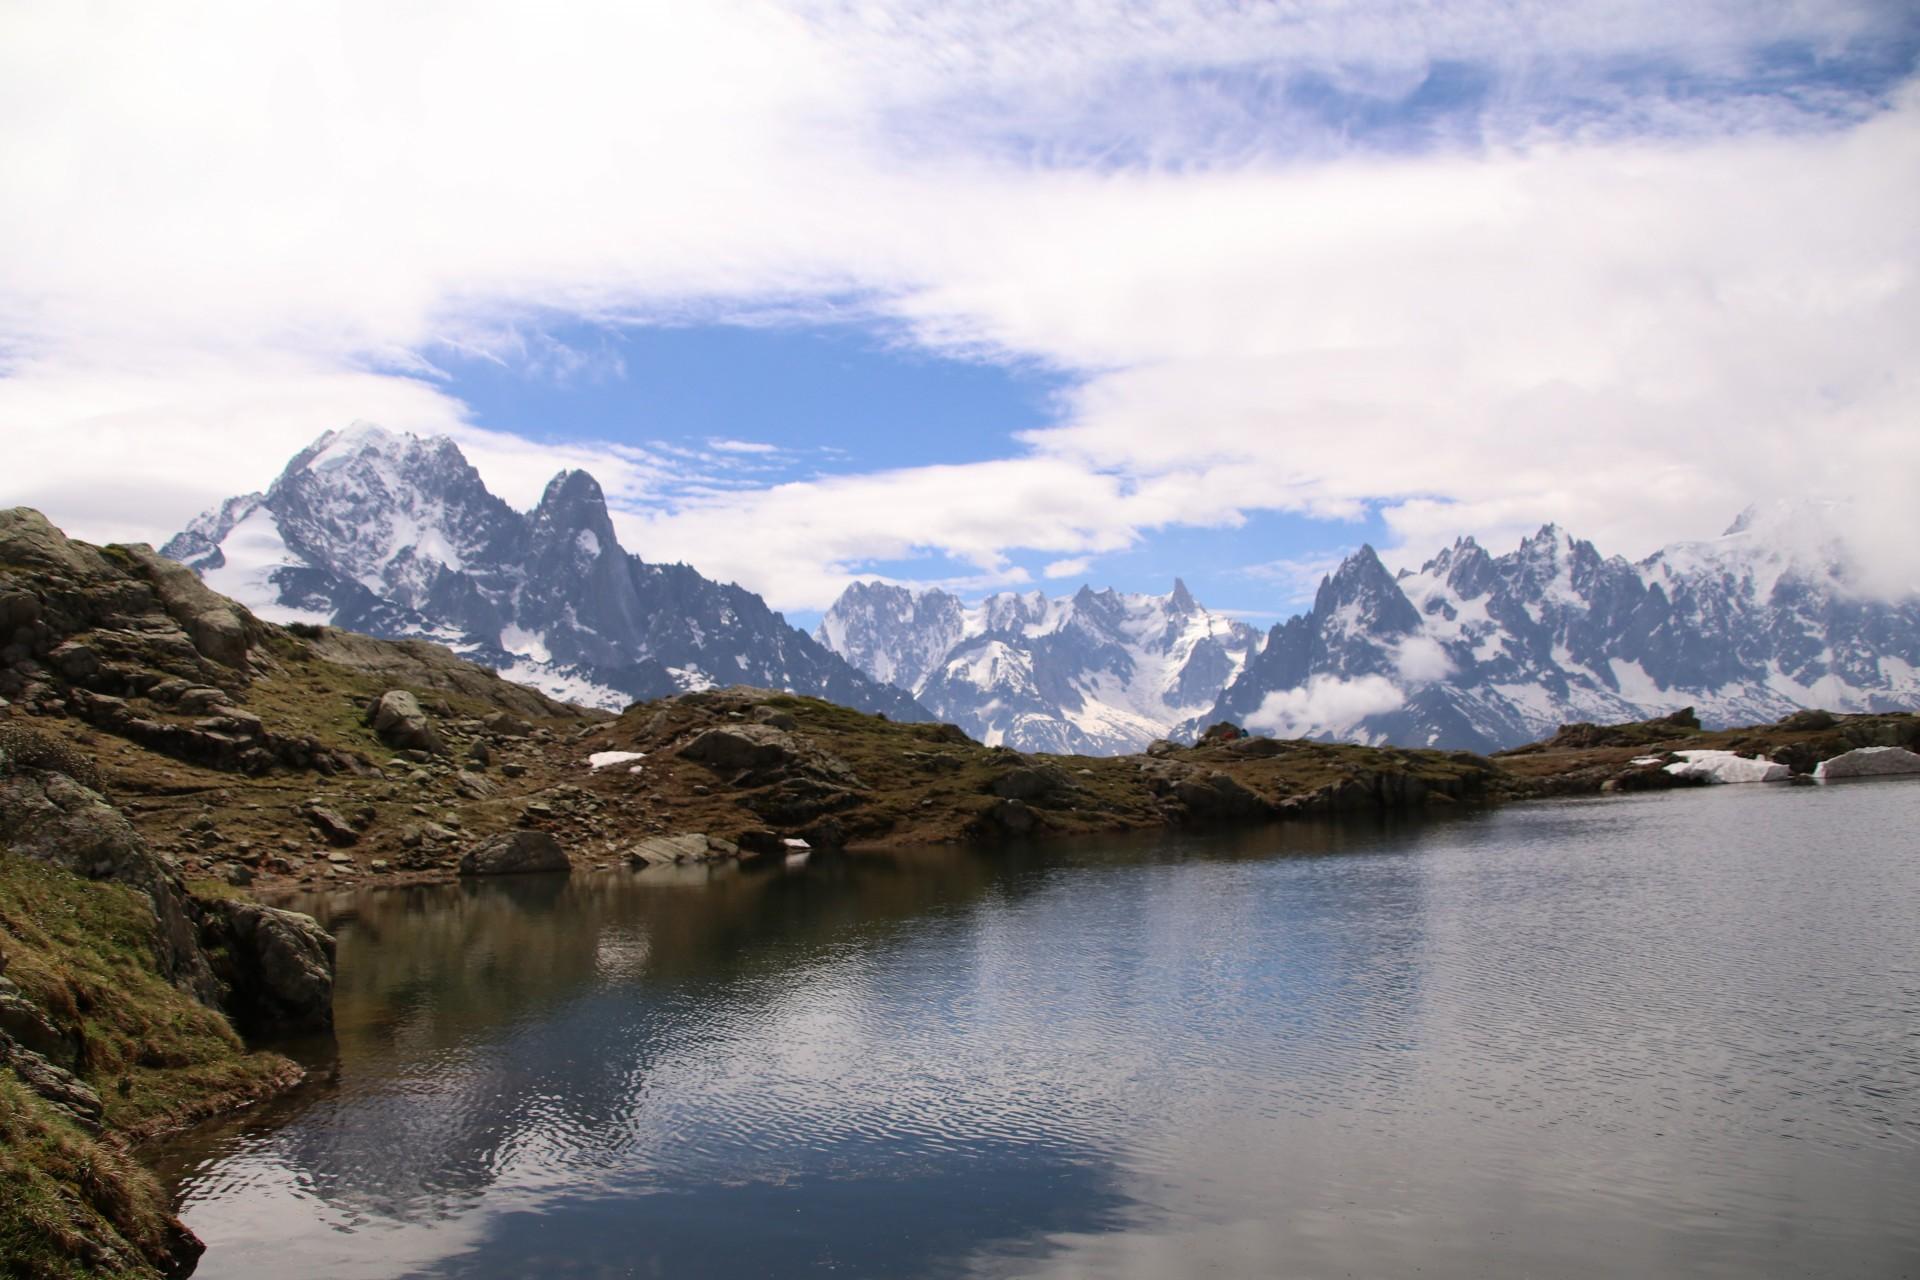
<point x="1652" y="1034"/>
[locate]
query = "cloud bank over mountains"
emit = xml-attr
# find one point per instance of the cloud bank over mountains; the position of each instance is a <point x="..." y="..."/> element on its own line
<point x="1474" y="268"/>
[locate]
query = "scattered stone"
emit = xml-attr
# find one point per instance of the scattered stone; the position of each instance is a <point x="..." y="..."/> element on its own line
<point x="333" y="828"/>
<point x="657" y="851"/>
<point x="506" y="726"/>
<point x="474" y="786"/>
<point x="774" y="716"/>
<point x="1811" y="718"/>
<point x="514" y="769"/>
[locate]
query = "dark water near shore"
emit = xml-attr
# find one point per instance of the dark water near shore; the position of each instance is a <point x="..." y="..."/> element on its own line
<point x="1658" y="1035"/>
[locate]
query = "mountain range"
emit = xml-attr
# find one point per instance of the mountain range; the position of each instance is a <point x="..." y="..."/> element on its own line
<point x="1095" y="673"/>
<point x="397" y="536"/>
<point x="1472" y="651"/>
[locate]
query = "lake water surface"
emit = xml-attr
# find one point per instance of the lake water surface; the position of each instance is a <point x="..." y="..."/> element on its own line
<point x="1656" y="1035"/>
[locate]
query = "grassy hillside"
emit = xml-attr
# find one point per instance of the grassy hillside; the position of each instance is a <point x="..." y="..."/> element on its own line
<point x="74" y="1201"/>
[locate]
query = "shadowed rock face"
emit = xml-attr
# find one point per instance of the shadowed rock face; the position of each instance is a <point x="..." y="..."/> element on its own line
<point x="277" y="967"/>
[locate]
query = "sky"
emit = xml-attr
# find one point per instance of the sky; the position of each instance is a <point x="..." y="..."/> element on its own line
<point x="1012" y="294"/>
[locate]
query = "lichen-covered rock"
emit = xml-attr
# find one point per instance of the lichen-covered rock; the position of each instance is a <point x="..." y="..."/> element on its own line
<point x="515" y="853"/>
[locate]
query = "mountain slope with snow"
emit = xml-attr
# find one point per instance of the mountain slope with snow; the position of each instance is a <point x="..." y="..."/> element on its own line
<point x="1481" y="652"/>
<point x="397" y="536"/>
<point x="1097" y="672"/>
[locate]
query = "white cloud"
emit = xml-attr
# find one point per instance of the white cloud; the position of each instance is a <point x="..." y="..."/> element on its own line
<point x="1072" y="568"/>
<point x="1421" y="659"/>
<point x="227" y="229"/>
<point x="1325" y="704"/>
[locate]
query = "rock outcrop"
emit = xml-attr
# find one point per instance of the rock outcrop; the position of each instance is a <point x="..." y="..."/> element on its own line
<point x="51" y="817"/>
<point x="515" y="853"/>
<point x="658" y="851"/>
<point x="1868" y="762"/>
<point x="276" y="967"/>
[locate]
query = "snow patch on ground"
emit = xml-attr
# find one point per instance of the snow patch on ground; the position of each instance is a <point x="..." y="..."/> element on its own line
<point x="1726" y="766"/>
<point x="525" y="644"/>
<point x="253" y="549"/>
<point x="565" y="685"/>
<point x="608" y="759"/>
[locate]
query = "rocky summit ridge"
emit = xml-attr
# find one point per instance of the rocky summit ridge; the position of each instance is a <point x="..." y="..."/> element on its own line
<point x="397" y="536"/>
<point x="1097" y="672"/>
<point x="1472" y="651"/>
<point x="1483" y="652"/>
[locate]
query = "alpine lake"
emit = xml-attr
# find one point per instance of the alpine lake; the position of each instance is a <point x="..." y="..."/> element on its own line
<point x="1665" y="1034"/>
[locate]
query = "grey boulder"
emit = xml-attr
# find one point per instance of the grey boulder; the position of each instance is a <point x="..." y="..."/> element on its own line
<point x="277" y="965"/>
<point x="400" y="721"/>
<point x="1868" y="762"/>
<point x="515" y="853"/>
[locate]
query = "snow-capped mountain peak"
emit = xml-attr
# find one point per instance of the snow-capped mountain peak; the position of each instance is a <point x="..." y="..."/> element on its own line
<point x="1482" y="651"/>
<point x="1096" y="671"/>
<point x="397" y="535"/>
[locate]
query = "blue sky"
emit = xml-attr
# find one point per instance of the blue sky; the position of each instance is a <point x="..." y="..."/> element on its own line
<point x="997" y="296"/>
<point x="753" y="405"/>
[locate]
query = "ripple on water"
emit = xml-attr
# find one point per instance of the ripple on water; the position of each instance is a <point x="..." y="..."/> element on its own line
<point x="1670" y="1033"/>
